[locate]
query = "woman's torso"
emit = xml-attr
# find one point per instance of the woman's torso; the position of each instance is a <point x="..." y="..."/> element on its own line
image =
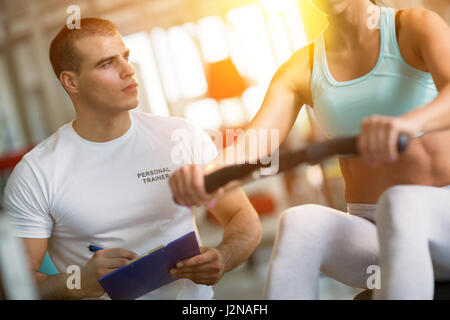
<point x="426" y="160"/>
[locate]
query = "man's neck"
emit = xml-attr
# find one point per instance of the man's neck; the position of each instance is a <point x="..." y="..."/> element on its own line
<point x="102" y="128"/>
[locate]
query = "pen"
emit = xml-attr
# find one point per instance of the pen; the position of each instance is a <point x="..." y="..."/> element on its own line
<point x="94" y="248"/>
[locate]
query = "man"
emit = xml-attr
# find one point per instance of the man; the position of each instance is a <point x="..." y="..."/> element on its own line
<point x="103" y="180"/>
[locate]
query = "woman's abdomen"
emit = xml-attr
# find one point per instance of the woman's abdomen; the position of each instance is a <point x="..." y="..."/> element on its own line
<point x="426" y="162"/>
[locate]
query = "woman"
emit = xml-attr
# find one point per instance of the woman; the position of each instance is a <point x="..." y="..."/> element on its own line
<point x="376" y="82"/>
<point x="441" y="7"/>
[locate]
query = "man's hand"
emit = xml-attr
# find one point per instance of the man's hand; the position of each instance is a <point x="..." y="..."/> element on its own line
<point x="206" y="268"/>
<point x="379" y="135"/>
<point x="103" y="262"/>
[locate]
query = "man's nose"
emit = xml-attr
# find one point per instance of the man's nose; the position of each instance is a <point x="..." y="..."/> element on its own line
<point x="127" y="69"/>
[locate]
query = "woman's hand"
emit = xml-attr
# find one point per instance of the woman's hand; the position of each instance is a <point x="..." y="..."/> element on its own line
<point x="188" y="186"/>
<point x="377" y="141"/>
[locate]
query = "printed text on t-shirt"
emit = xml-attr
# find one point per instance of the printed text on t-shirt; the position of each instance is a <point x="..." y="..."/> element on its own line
<point x="154" y="175"/>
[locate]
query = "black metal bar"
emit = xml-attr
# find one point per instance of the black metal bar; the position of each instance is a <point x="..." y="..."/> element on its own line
<point x="311" y="154"/>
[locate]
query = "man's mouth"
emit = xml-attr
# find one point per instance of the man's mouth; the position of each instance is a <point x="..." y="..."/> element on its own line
<point x="131" y="87"/>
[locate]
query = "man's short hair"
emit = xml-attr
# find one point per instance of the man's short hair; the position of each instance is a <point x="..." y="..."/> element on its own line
<point x="63" y="53"/>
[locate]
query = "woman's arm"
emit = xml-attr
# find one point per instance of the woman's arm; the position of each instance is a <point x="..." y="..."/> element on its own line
<point x="429" y="35"/>
<point x="432" y="37"/>
<point x="278" y="113"/>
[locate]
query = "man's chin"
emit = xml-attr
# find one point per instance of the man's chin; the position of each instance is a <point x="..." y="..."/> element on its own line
<point x="131" y="105"/>
<point x="122" y="106"/>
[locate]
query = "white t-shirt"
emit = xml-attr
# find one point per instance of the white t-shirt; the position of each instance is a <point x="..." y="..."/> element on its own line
<point x="113" y="194"/>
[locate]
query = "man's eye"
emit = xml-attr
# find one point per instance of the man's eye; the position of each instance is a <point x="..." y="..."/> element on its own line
<point x="107" y="64"/>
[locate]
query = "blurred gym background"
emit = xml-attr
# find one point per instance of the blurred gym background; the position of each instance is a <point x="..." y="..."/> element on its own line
<point x="209" y="61"/>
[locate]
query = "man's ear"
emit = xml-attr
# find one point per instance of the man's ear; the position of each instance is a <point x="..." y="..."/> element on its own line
<point x="69" y="81"/>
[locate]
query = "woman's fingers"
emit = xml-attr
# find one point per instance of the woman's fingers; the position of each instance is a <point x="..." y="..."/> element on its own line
<point x="188" y="186"/>
<point x="378" y="140"/>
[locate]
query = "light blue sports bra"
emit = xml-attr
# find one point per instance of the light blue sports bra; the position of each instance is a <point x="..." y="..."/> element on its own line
<point x="392" y="88"/>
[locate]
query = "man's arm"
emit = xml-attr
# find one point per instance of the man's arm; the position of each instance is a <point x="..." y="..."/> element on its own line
<point x="50" y="287"/>
<point x="242" y="234"/>
<point x="55" y="287"/>
<point x="242" y="228"/>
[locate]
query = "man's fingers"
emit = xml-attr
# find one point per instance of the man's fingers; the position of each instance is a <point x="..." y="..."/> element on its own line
<point x="205" y="257"/>
<point x="103" y="272"/>
<point x="206" y="267"/>
<point x="114" y="263"/>
<point x="196" y="276"/>
<point x="205" y="281"/>
<point x="117" y="253"/>
<point x="194" y="261"/>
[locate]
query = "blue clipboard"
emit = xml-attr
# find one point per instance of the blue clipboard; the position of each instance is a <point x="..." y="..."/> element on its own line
<point x="149" y="272"/>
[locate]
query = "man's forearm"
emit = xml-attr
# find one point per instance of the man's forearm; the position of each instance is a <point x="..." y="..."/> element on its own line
<point x="241" y="236"/>
<point x="434" y="116"/>
<point x="55" y="287"/>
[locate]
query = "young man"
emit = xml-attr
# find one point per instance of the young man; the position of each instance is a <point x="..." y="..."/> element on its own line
<point x="103" y="180"/>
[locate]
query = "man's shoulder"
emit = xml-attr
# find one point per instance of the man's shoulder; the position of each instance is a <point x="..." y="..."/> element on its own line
<point x="46" y="149"/>
<point x="165" y="123"/>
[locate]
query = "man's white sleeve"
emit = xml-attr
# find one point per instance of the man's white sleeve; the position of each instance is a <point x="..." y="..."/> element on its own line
<point x="26" y="205"/>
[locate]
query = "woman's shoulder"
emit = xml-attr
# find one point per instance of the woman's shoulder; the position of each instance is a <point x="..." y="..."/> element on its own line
<point x="296" y="71"/>
<point x="416" y="19"/>
<point x="416" y="27"/>
<point x="302" y="58"/>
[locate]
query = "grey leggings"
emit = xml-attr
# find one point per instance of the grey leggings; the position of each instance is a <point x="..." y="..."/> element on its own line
<point x="406" y="235"/>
